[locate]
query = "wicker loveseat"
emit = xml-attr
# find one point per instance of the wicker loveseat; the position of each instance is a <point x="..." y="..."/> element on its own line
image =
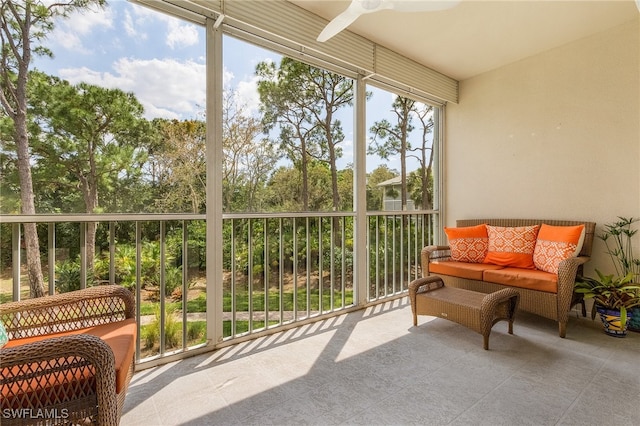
<point x="552" y="300"/>
<point x="69" y="358"/>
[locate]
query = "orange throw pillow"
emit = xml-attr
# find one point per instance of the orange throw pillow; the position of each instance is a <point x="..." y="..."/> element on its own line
<point x="468" y="244"/>
<point x="555" y="244"/>
<point x="512" y="246"/>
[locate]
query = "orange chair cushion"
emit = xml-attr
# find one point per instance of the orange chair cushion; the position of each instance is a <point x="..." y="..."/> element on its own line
<point x="472" y="271"/>
<point x="120" y="336"/>
<point x="469" y="243"/>
<point x="524" y="278"/>
<point x="555" y="244"/>
<point x="512" y="246"/>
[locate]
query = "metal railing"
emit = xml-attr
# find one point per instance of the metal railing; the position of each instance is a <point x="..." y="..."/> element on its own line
<point x="279" y="270"/>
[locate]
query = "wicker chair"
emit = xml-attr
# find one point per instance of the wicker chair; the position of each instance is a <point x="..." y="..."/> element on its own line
<point x="55" y="369"/>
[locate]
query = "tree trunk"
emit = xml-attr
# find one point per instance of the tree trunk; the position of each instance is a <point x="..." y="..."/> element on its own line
<point x="305" y="175"/>
<point x="32" y="244"/>
<point x="90" y="194"/>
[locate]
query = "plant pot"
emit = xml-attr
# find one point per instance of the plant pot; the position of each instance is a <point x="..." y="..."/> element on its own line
<point x="611" y="321"/>
<point x="634" y="322"/>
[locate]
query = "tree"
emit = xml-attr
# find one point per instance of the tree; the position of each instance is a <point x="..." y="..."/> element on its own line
<point x="283" y="105"/>
<point x="333" y="92"/>
<point x="91" y="136"/>
<point x="423" y="194"/>
<point x="391" y="139"/>
<point x="248" y="158"/>
<point x="374" y="195"/>
<point x="303" y="100"/>
<point x="284" y="187"/>
<point x="179" y="165"/>
<point x="23" y="24"/>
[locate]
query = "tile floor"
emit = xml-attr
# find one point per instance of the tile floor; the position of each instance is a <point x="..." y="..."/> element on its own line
<point x="372" y="367"/>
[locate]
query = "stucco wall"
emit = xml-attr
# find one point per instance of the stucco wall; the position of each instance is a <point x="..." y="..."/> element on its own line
<point x="556" y="135"/>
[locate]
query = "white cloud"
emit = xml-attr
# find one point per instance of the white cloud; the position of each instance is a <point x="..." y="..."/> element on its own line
<point x="70" y="41"/>
<point x="70" y="31"/>
<point x="181" y="35"/>
<point x="167" y="88"/>
<point x="178" y="33"/>
<point x="227" y="78"/>
<point x="132" y="27"/>
<point x="247" y="95"/>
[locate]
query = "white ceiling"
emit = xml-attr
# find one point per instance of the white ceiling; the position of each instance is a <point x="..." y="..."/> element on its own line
<point x="480" y="35"/>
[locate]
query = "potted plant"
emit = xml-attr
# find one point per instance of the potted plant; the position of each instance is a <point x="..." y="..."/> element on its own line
<point x="618" y="238"/>
<point x="613" y="297"/>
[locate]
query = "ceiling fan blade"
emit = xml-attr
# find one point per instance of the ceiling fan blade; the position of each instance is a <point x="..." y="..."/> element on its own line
<point x="361" y="7"/>
<point x="340" y="22"/>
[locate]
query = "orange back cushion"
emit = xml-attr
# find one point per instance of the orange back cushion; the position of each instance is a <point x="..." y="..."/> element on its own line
<point x="512" y="246"/>
<point x="555" y="244"/>
<point x="468" y="244"/>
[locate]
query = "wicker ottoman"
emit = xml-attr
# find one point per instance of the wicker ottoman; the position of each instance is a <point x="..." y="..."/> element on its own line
<point x="477" y="311"/>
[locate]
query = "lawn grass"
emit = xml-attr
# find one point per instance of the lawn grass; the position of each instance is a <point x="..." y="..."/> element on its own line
<point x="258" y="301"/>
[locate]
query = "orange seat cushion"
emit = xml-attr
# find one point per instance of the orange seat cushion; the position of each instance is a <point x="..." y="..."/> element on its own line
<point x="472" y="271"/>
<point x="120" y="336"/>
<point x="523" y="278"/>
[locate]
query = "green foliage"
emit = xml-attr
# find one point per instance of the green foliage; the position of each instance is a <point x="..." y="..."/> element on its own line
<point x="302" y="101"/>
<point x="257" y="299"/>
<point x="618" y="291"/>
<point x="172" y="328"/>
<point x="196" y="332"/>
<point x="620" y="235"/>
<point x="86" y="132"/>
<point x="68" y="276"/>
<point x="150" y="334"/>
<point x="422" y="198"/>
<point x="610" y="291"/>
<point x="173" y="279"/>
<point x="178" y="153"/>
<point x="374" y="194"/>
<point x="199" y="304"/>
<point x="125" y="266"/>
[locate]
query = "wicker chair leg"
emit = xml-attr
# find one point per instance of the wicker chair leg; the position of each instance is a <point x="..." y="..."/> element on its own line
<point x="486" y="342"/>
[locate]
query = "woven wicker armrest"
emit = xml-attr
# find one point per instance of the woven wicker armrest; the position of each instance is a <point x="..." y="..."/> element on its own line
<point x="70" y="376"/>
<point x="67" y="311"/>
<point x="430" y="253"/>
<point x="422" y="285"/>
<point x="425" y="284"/>
<point x="492" y="300"/>
<point x="567" y="271"/>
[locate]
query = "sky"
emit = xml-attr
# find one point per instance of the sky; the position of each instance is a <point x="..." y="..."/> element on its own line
<point x="161" y="59"/>
<point x="157" y="57"/>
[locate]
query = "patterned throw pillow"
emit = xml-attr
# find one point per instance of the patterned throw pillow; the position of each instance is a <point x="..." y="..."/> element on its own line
<point x="4" y="338"/>
<point x="512" y="246"/>
<point x="468" y="244"/>
<point x="555" y="244"/>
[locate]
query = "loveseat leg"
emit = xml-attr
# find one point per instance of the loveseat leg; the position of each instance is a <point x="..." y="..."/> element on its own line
<point x="562" y="328"/>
